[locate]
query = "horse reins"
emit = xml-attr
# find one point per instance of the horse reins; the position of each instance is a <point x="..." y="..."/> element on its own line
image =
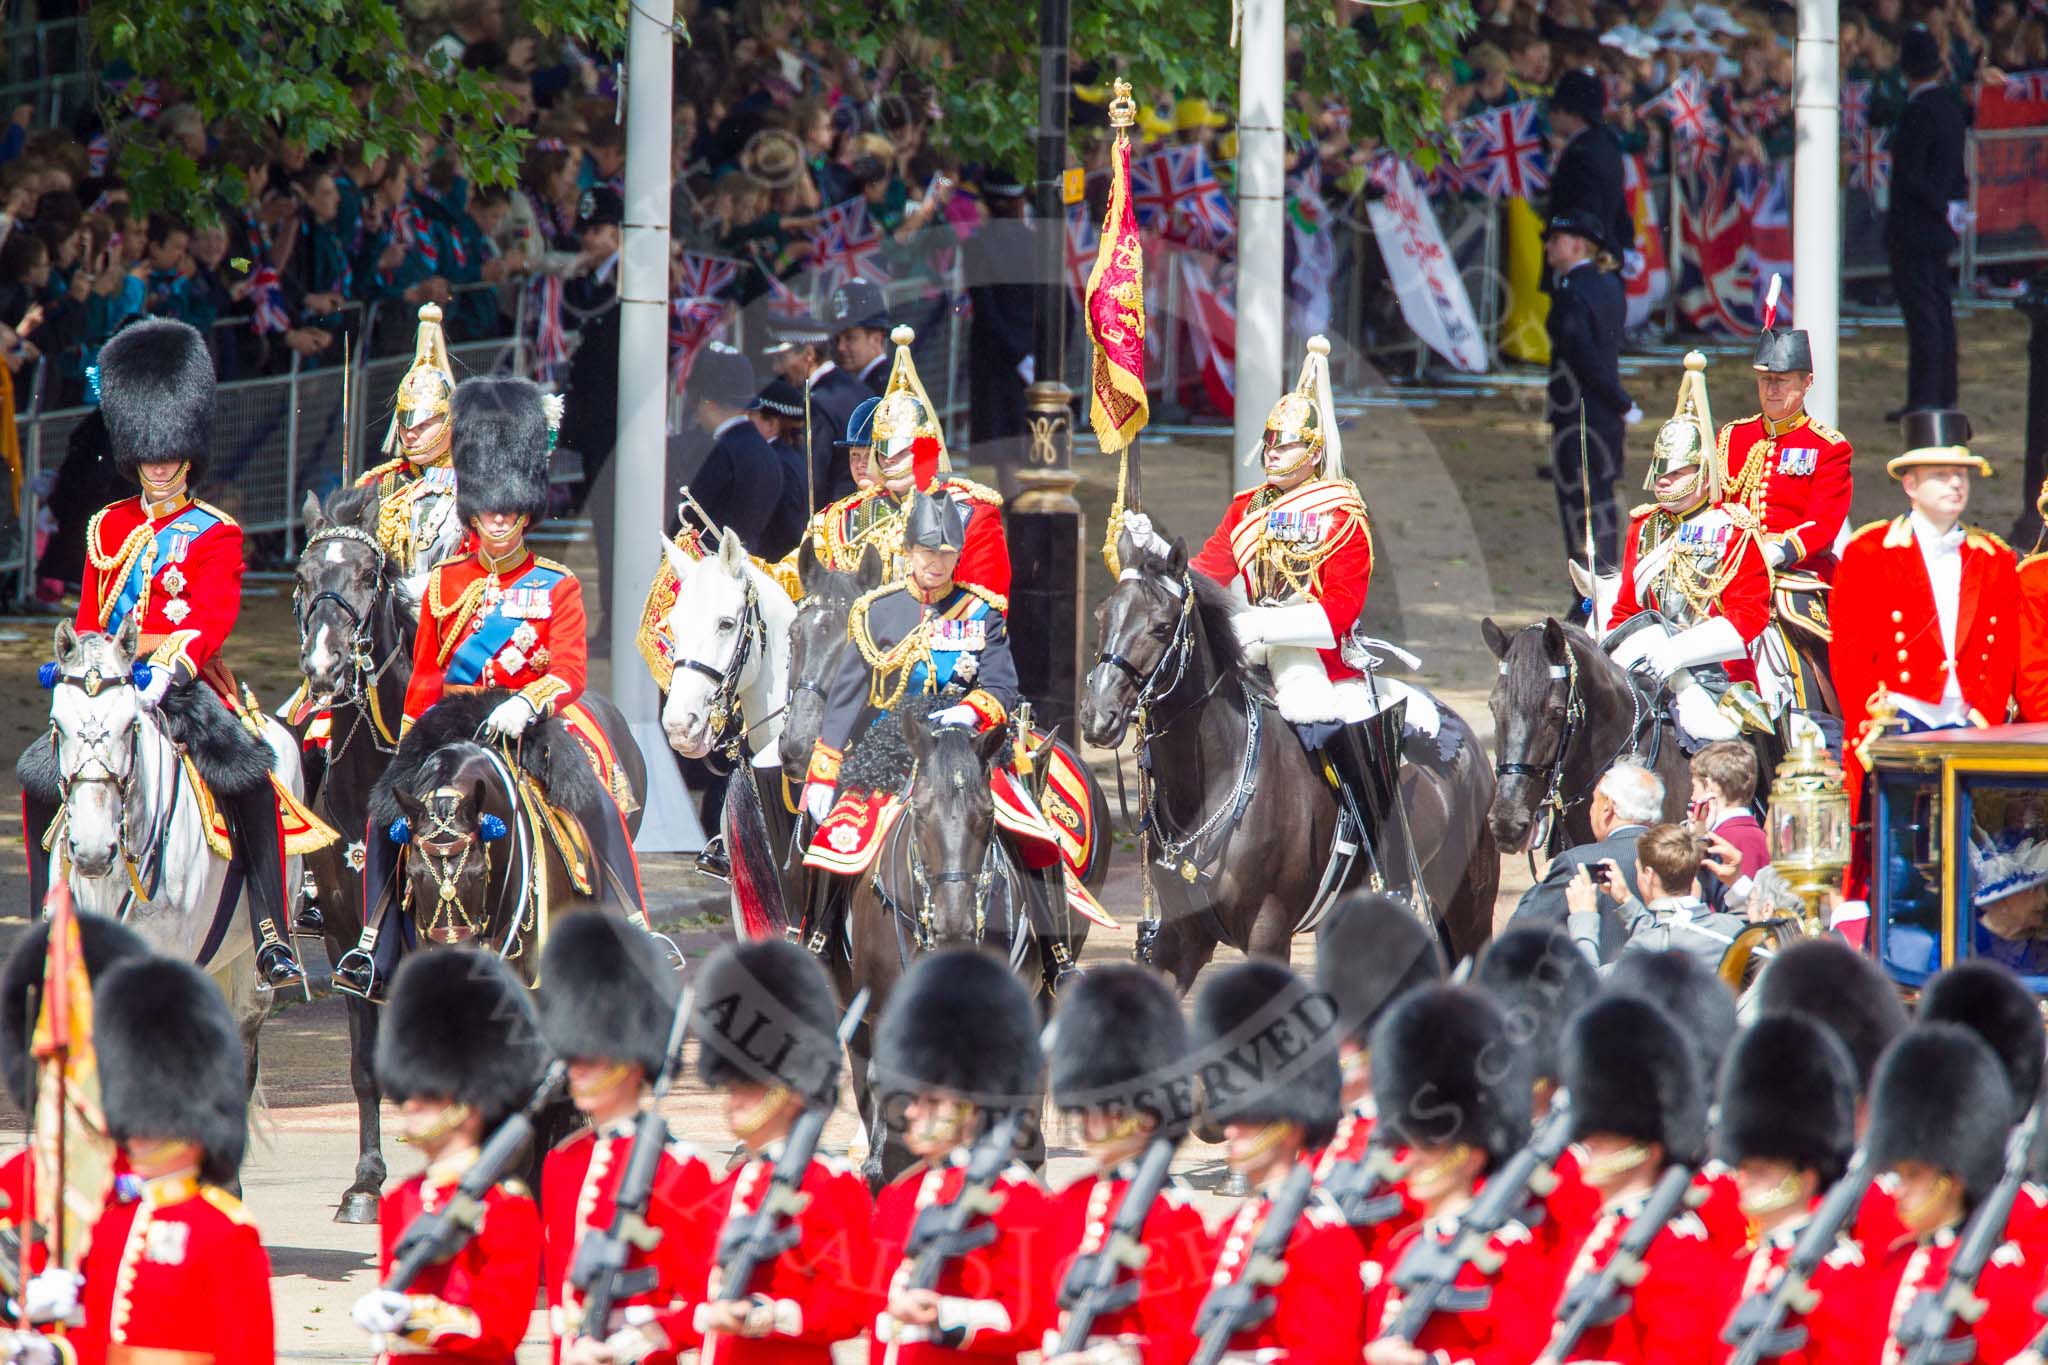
<point x="141" y="889"/>
<point x="1552" y="771"/>
<point x="365" y="670"/>
<point x="725" y="703"/>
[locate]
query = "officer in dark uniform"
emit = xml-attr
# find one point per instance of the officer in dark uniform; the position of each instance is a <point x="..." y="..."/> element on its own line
<point x="738" y="479"/>
<point x="860" y="332"/>
<point x="1927" y="177"/>
<point x="1588" y="406"/>
<point x="997" y="263"/>
<point x="590" y="417"/>
<point x="799" y="354"/>
<point x="1585" y="169"/>
<point x="778" y="414"/>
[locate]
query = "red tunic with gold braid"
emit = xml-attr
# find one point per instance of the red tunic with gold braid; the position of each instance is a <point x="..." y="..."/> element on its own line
<point x="176" y="1273"/>
<point x="1173" y="1278"/>
<point x="475" y="1307"/>
<point x="1795" y="476"/>
<point x="176" y="567"/>
<point x="519" y="627"/>
<point x="1692" y="568"/>
<point x="1311" y="543"/>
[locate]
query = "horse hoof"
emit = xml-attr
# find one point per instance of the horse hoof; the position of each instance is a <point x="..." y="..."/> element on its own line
<point x="357" y="1206"/>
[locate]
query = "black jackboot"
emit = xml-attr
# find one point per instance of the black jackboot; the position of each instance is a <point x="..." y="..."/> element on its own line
<point x="365" y="970"/>
<point x="254" y="828"/>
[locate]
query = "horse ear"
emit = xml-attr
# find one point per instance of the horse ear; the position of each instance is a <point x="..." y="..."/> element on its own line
<point x="310" y="513"/>
<point x="473" y="803"/>
<point x="65" y="645"/>
<point x="871" y="570"/>
<point x="1178" y="560"/>
<point x="989" y="744"/>
<point x="1496" y="638"/>
<point x="1554" y="642"/>
<point x="129" y="637"/>
<point x="678" y="559"/>
<point x="807" y="566"/>
<point x="732" y="554"/>
<point x="373" y="509"/>
<point x="917" y="737"/>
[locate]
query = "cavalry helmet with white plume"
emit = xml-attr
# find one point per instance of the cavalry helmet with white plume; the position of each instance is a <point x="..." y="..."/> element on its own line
<point x="1306" y="416"/>
<point x="1686" y="441"/>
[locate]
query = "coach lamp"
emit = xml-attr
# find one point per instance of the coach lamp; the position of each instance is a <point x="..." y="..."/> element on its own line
<point x="1810" y="824"/>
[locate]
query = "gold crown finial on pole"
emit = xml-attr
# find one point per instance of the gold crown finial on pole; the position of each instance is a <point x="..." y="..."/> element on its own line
<point x="1123" y="110"/>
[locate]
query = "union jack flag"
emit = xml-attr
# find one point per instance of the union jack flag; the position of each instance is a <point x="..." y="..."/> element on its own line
<point x="783" y="301"/>
<point x="702" y="276"/>
<point x="267" y="294"/>
<point x="1083" y="240"/>
<point x="1686" y="106"/>
<point x="1717" y="283"/>
<point x="550" y="340"/>
<point x="98" y="152"/>
<point x="2026" y="85"/>
<point x="846" y="243"/>
<point x="1175" y="191"/>
<point x="1870" y="160"/>
<point x="692" y="322"/>
<point x="1503" y="153"/>
<point x="1855" y="101"/>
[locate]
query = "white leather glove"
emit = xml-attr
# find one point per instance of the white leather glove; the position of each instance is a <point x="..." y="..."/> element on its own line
<point x="1633" y="415"/>
<point x="382" y="1313"/>
<point x="818" y="800"/>
<point x="151" y="694"/>
<point x="957" y="715"/>
<point x="1301" y="623"/>
<point x="511" y="717"/>
<point x="1700" y="717"/>
<point x="29" y="1348"/>
<point x="53" y="1296"/>
<point x="1777" y="553"/>
<point x="1712" y="641"/>
<point x="1138" y="527"/>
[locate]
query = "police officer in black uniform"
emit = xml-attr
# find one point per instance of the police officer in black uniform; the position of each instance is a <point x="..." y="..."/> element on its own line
<point x="730" y="468"/>
<point x="860" y="332"/>
<point x="1588" y="407"/>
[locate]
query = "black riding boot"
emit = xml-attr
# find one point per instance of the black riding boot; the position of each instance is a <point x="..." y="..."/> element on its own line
<point x="613" y="852"/>
<point x="365" y="970"/>
<point x="36" y="819"/>
<point x="254" y="828"/>
<point x="1367" y="760"/>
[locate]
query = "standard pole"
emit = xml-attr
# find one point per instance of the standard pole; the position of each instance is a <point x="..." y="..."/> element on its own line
<point x="1261" y="228"/>
<point x="1816" y="199"/>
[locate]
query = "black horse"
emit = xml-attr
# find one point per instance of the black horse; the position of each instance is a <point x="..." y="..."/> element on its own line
<point x="1241" y="821"/>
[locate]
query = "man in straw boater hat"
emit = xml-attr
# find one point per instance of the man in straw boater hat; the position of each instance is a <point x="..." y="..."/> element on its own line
<point x="957" y="1045"/>
<point x="168" y="567"/>
<point x="175" y="1269"/>
<point x="1926" y="617"/>
<point x="608" y="1011"/>
<point x="459" y="1051"/>
<point x="767" y="1029"/>
<point x="1119" y="1071"/>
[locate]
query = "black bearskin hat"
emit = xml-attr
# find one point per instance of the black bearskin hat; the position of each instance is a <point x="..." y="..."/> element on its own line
<point x="1266" y="1047"/>
<point x="765" y="1014"/>
<point x="961" y="1021"/>
<point x="500" y="447"/>
<point x="1940" y="1097"/>
<point x="156" y="394"/>
<point x="609" y="991"/>
<point x="1686" y="989"/>
<point x="1443" y="1072"/>
<point x="1539" y="979"/>
<point x="1832" y="982"/>
<point x="1632" y="1074"/>
<point x="102" y="940"/>
<point x="459" y="1026"/>
<point x="1370" y="953"/>
<point x="1121" y="1045"/>
<point x="171" y="1064"/>
<point x="1986" y="998"/>
<point x="1788" y="1093"/>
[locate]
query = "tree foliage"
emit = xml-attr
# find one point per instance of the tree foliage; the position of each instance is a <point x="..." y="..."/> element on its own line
<point x="1167" y="49"/>
<point x="323" y="73"/>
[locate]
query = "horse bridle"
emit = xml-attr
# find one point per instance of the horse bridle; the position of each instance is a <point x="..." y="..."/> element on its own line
<point x="1178" y="647"/>
<point x="92" y="682"/>
<point x="725" y="704"/>
<point x="925" y="881"/>
<point x="1551" y="772"/>
<point x="446" y="852"/>
<point x="365" y="671"/>
<point x="813" y="685"/>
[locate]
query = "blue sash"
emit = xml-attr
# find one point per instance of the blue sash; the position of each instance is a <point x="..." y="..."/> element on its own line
<point x="467" y="667"/>
<point x="171" y="543"/>
<point x="949" y="639"/>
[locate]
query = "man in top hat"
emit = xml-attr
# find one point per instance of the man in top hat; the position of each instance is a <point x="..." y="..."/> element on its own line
<point x="1585" y="160"/>
<point x="608" y="1009"/>
<point x="458" y="1050"/>
<point x="1787" y="1126"/>
<point x="859" y="318"/>
<point x="1266" y="1052"/>
<point x="767" y="1028"/>
<point x="1449" y="1081"/>
<point x="1119" y="1070"/>
<point x="958" y="1042"/>
<point x="1588" y="407"/>
<point x="1639" y="1106"/>
<point x="175" y="1269"/>
<point x="169" y="566"/>
<point x="1924" y="610"/>
<point x="725" y="463"/>
<point x="778" y="414"/>
<point x="1929" y="207"/>
<point x="416" y="520"/>
<point x="996" y="262"/>
<point x="799" y="350"/>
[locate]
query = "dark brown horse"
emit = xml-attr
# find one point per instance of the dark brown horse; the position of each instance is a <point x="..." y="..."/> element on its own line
<point x="1237" y="801"/>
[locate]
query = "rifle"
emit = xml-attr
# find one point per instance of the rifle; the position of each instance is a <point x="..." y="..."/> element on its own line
<point x="944" y="1233"/>
<point x="1096" y="1284"/>
<point x="1932" y="1314"/>
<point x="1242" y="1304"/>
<point x="1363" y="1188"/>
<point x="1756" y="1327"/>
<point x="1428" y="1273"/>
<point x="599" y="1270"/>
<point x="432" y="1238"/>
<point x="753" y="1240"/>
<point x="1596" y="1300"/>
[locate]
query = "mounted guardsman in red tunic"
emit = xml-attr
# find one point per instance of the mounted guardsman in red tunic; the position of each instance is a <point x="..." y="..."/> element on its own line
<point x="417" y="521"/>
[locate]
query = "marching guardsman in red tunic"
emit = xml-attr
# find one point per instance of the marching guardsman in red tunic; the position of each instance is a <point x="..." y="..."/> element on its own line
<point x="171" y="566"/>
<point x="959" y="1041"/>
<point x="1120" y="1070"/>
<point x="175" y="1270"/>
<point x="768" y="1029"/>
<point x="502" y="621"/>
<point x="1924" y="608"/>
<point x="607" y="1010"/>
<point x="417" y="522"/>
<point x="1448" y="1080"/>
<point x="1273" y="1116"/>
<point x="459" y="1051"/>
<point x="1788" y="1125"/>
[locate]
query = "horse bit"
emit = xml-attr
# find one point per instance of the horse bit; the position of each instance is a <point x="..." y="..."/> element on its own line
<point x="95" y="735"/>
<point x="725" y="705"/>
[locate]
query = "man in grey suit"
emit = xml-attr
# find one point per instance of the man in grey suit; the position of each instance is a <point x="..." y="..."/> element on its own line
<point x="1627" y="801"/>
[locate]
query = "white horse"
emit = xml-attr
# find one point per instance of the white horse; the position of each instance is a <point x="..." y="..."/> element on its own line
<point x="730" y="628"/>
<point x="132" y="843"/>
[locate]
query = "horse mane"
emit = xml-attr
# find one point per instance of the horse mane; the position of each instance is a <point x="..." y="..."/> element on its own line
<point x="1215" y="604"/>
<point x="345" y="506"/>
<point x="551" y="754"/>
<point x="881" y="761"/>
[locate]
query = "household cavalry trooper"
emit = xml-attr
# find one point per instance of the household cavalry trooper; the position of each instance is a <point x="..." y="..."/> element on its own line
<point x="417" y="521"/>
<point x="957" y="1047"/>
<point x="165" y="570"/>
<point x="459" y="1052"/>
<point x="836" y="533"/>
<point x="498" y="622"/>
<point x="174" y="1269"/>
<point x="607" y="1011"/>
<point x="1298" y="549"/>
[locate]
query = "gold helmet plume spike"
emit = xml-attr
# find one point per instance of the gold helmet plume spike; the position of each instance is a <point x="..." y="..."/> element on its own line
<point x="1307" y="414"/>
<point x="906" y="411"/>
<point x="430" y="377"/>
<point x="1689" y="431"/>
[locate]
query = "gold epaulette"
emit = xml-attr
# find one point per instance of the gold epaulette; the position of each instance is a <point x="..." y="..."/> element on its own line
<point x="225" y="519"/>
<point x="994" y="599"/>
<point x="542" y="562"/>
<point x="226" y="1203"/>
<point x="1826" y="433"/>
<point x="1976" y="537"/>
<point x="377" y="473"/>
<point x="979" y="492"/>
<point x="1642" y="510"/>
<point x="1868" y="527"/>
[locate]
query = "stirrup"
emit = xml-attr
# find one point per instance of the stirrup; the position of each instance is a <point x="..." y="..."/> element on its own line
<point x="713" y="861"/>
<point x="358" y="959"/>
<point x="1148" y="939"/>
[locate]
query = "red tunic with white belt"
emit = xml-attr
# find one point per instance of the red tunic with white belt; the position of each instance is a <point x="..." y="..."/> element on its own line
<point x="1172" y="1280"/>
<point x="1353" y="1136"/>
<point x="1913" y="1266"/>
<point x="475" y="1307"/>
<point x="1504" y="1317"/>
<point x="579" y="1190"/>
<point x="1676" y="1312"/>
<point x="519" y="627"/>
<point x="1836" y="1328"/>
<point x="995" y="1295"/>
<point x="1312" y="542"/>
<point x="176" y="568"/>
<point x="1801" y="483"/>
<point x="1319" y="1305"/>
<point x="1711" y="550"/>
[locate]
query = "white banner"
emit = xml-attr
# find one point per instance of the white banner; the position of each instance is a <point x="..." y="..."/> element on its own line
<point x="1424" y="273"/>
